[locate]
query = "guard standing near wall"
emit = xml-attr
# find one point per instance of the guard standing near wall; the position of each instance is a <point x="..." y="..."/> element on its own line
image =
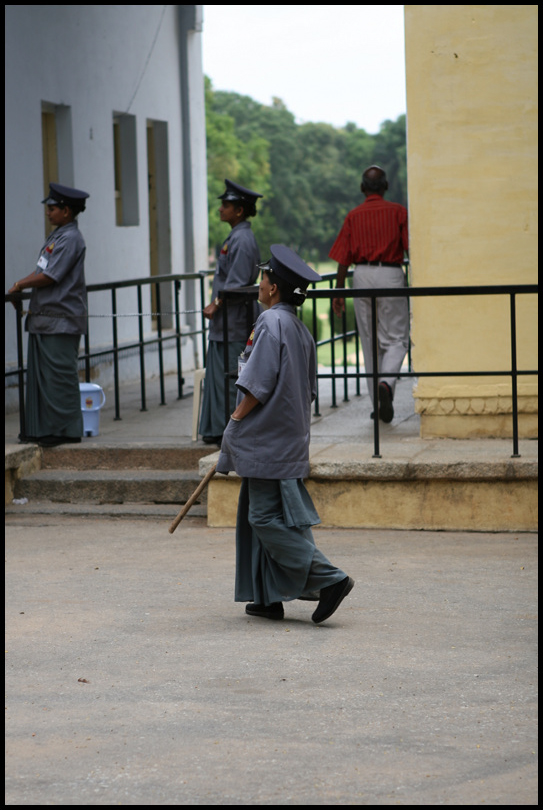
<point x="57" y="318"/>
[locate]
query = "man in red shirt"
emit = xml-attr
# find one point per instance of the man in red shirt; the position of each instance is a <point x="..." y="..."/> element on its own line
<point x="374" y="238"/>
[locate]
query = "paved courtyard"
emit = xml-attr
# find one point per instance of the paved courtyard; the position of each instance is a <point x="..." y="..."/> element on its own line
<point x="133" y="678"/>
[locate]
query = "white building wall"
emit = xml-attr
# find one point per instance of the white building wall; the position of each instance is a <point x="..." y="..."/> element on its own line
<point x="97" y="60"/>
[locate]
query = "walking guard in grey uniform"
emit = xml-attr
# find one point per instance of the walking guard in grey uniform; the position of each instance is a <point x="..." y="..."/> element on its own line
<point x="57" y="318"/>
<point x="237" y="266"/>
<point x="266" y="442"/>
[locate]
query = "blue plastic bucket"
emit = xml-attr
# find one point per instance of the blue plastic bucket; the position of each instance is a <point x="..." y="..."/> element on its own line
<point x="92" y="400"/>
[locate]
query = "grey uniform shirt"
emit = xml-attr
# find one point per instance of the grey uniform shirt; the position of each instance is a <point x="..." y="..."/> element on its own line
<point x="236" y="267"/>
<point x="61" y="258"/>
<point x="272" y="441"/>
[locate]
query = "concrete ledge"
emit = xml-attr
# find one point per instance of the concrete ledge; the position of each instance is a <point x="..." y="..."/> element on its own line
<point x="432" y="505"/>
<point x="109" y="486"/>
<point x="21" y="455"/>
<point x="123" y="456"/>
<point x="352" y="490"/>
<point x="20" y="460"/>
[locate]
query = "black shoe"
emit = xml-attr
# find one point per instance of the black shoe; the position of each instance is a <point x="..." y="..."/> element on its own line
<point x="273" y="611"/>
<point x="53" y="441"/>
<point x="212" y="440"/>
<point x="331" y="599"/>
<point x="386" y="411"/>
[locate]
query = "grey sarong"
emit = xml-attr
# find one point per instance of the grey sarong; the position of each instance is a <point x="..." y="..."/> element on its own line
<point x="276" y="556"/>
<point x="53" y="402"/>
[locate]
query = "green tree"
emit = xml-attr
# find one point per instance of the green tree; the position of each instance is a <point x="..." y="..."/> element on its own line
<point x="391" y="154"/>
<point x="309" y="173"/>
<point x="244" y="160"/>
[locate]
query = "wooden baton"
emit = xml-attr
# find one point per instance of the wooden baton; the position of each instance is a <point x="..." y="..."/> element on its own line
<point x="194" y="497"/>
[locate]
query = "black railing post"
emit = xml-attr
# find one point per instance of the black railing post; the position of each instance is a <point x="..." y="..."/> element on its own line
<point x="357" y="350"/>
<point x="178" y="341"/>
<point x="514" y="375"/>
<point x="203" y="319"/>
<point x="375" y="354"/>
<point x="226" y="358"/>
<point x="21" y="368"/>
<point x="406" y="264"/>
<point x="159" y="337"/>
<point x="316" y="411"/>
<point x="344" y="338"/>
<point x="332" y="348"/>
<point x="142" y="350"/>
<point x="115" y="355"/>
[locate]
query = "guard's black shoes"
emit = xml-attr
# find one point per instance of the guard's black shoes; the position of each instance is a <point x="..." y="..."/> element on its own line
<point x="212" y="440"/>
<point x="331" y="599"/>
<point x="54" y="441"/>
<point x="386" y="410"/>
<point x="273" y="611"/>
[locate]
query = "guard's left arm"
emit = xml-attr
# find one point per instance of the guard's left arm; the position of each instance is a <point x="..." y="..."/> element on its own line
<point x="33" y="280"/>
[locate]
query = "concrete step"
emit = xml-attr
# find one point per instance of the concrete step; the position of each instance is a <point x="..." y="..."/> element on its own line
<point x="430" y="487"/>
<point x="142" y="456"/>
<point x="109" y="486"/>
<point x="133" y="480"/>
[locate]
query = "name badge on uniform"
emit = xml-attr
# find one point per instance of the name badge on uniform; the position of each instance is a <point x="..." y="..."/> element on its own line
<point x="241" y="363"/>
<point x="43" y="261"/>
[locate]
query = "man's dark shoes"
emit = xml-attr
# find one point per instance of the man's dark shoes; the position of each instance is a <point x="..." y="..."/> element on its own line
<point x="331" y="599"/>
<point x="273" y="611"/>
<point x="386" y="411"/>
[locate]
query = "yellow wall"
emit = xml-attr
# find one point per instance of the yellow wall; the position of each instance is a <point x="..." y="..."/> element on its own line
<point x="471" y="75"/>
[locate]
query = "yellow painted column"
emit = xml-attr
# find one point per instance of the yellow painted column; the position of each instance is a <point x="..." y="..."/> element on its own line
<point x="471" y="74"/>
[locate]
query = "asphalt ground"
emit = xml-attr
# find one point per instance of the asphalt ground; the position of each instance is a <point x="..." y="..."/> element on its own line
<point x="133" y="677"/>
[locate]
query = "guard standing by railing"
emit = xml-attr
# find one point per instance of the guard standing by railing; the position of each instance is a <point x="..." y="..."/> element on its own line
<point x="57" y="318"/>
<point x="237" y="266"/>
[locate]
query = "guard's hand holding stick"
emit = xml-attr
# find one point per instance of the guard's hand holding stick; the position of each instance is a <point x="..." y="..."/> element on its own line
<point x="194" y="497"/>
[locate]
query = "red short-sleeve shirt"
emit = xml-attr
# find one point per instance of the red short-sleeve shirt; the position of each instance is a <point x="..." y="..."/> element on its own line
<point x="373" y="231"/>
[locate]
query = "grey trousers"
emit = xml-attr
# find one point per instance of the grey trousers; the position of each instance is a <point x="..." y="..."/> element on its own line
<point x="392" y="322"/>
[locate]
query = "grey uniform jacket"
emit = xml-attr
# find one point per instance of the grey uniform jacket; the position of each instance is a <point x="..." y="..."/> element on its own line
<point x="65" y="301"/>
<point x="280" y="371"/>
<point x="236" y="267"/>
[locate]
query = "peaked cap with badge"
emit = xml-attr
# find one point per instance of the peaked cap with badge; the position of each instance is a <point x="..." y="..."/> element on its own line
<point x="65" y="195"/>
<point x="290" y="267"/>
<point x="235" y="192"/>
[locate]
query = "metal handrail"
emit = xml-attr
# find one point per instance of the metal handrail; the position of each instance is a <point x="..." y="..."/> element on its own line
<point x="251" y="293"/>
<point x="174" y="334"/>
<point x="405" y="292"/>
